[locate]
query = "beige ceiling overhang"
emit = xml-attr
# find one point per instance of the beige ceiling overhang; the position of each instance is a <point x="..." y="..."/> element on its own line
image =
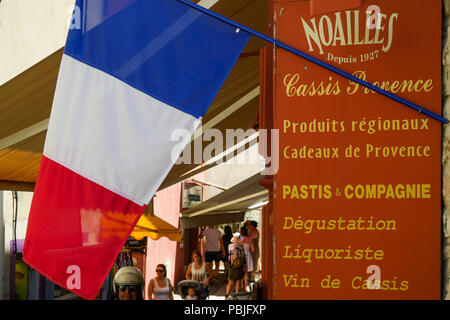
<point x="26" y="100"/>
<point x="228" y="206"/>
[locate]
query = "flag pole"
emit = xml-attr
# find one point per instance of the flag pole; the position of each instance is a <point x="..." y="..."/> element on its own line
<point x="316" y="61"/>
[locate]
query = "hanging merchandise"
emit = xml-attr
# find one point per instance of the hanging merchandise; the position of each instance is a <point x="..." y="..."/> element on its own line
<point x="124" y="259"/>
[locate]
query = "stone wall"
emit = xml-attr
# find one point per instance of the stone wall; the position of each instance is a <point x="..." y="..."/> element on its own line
<point x="446" y="154"/>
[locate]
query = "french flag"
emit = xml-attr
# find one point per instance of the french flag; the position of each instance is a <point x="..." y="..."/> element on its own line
<point x="133" y="71"/>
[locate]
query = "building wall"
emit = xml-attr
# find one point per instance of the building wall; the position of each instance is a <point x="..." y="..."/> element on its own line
<point x="30" y="30"/>
<point x="166" y="205"/>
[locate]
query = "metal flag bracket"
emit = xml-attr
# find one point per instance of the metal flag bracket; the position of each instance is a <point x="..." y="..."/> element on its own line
<point x="316" y="61"/>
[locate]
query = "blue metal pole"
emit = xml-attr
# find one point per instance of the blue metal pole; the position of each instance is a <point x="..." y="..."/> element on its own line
<point x="316" y="61"/>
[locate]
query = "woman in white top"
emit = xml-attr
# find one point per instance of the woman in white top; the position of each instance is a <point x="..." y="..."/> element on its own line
<point x="199" y="270"/>
<point x="160" y="287"/>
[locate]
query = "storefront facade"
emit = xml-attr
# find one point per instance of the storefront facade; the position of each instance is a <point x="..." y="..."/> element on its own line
<point x="293" y="280"/>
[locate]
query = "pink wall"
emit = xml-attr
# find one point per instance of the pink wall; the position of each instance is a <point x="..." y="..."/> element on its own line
<point x="167" y="206"/>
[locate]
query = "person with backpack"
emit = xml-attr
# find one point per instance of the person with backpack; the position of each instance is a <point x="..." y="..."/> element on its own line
<point x="237" y="264"/>
<point x="248" y="249"/>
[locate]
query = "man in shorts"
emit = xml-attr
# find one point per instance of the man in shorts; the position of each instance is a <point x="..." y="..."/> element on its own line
<point x="214" y="248"/>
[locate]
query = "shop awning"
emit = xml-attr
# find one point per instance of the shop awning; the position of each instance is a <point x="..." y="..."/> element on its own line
<point x="226" y="207"/>
<point x="26" y="101"/>
<point x="155" y="228"/>
<point x="212" y="219"/>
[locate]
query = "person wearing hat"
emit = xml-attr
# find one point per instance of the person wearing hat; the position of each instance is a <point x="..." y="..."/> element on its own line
<point x="128" y="284"/>
<point x="236" y="273"/>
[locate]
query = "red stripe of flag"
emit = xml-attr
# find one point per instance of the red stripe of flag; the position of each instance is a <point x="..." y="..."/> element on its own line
<point x="76" y="229"/>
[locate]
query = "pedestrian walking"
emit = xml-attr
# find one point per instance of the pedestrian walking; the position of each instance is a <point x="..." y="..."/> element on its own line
<point x="226" y="239"/>
<point x="254" y="236"/>
<point x="237" y="264"/>
<point x="214" y="248"/>
<point x="200" y="271"/>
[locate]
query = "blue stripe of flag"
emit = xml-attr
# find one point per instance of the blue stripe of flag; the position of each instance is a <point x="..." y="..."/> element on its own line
<point x="161" y="47"/>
